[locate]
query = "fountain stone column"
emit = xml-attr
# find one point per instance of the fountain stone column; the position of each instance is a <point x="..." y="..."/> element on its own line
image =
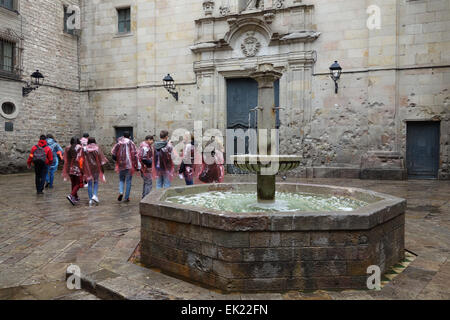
<point x="266" y="76"/>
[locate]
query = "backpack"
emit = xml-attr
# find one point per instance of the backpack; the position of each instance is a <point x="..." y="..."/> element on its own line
<point x="183" y="165"/>
<point x="39" y="155"/>
<point x="159" y="158"/>
<point x="162" y="159"/>
<point x="146" y="156"/>
<point x="210" y="174"/>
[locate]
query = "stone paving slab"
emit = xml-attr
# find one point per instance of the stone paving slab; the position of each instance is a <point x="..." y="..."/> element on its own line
<point x="40" y="236"/>
<point x="55" y="290"/>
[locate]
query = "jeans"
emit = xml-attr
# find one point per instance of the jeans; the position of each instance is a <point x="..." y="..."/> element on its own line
<point x="41" y="171"/>
<point x="163" y="181"/>
<point x="148" y="184"/>
<point x="125" y="175"/>
<point x="51" y="173"/>
<point x="93" y="188"/>
<point x="189" y="182"/>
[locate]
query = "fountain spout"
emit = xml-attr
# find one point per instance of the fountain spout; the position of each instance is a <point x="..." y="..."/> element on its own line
<point x="250" y="115"/>
<point x="266" y="164"/>
<point x="266" y="76"/>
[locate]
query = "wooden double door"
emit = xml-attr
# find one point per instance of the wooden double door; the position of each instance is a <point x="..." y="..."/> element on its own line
<point x="242" y="96"/>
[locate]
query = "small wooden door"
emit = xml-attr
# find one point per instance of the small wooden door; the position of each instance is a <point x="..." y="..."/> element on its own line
<point x="422" y="149"/>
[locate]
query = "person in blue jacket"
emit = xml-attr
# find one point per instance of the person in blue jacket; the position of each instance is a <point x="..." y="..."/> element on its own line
<point x="57" y="154"/>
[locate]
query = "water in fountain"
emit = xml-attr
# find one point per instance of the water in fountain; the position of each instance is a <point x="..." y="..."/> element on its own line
<point x="286" y="202"/>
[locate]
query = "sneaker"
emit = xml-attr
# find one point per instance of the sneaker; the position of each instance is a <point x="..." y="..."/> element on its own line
<point x="71" y="199"/>
<point x="91" y="203"/>
<point x="120" y="197"/>
<point x="127" y="200"/>
<point x="95" y="199"/>
<point x="47" y="185"/>
<point x="86" y="185"/>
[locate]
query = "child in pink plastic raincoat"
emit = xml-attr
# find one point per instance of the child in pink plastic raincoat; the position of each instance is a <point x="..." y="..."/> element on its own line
<point x="191" y="165"/>
<point x="127" y="163"/>
<point x="94" y="160"/>
<point x="163" y="167"/>
<point x="146" y="159"/>
<point x="213" y="169"/>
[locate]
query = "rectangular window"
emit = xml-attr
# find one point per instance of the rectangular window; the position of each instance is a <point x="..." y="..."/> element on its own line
<point x="6" y="56"/>
<point x="121" y="130"/>
<point x="66" y="17"/>
<point x="8" y="4"/>
<point x="124" y="19"/>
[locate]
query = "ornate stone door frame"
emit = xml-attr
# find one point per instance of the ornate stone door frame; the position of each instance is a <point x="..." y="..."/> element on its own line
<point x="295" y="85"/>
<point x="230" y="44"/>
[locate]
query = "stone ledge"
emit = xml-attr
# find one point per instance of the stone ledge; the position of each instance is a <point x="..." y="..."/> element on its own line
<point x="381" y="209"/>
<point x="354" y="173"/>
<point x="383" y="174"/>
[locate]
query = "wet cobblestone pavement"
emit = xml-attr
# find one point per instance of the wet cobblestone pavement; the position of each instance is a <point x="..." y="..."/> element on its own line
<point x="40" y="236"/>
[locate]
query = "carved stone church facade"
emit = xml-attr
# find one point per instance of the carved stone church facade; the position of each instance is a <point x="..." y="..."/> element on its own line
<point x="389" y="119"/>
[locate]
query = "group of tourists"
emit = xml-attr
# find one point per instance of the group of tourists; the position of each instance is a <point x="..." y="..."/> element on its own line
<point x="84" y="164"/>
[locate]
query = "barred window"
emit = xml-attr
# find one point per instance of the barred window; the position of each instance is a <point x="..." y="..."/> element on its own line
<point x="124" y="18"/>
<point x="8" y="4"/>
<point x="7" y="56"/>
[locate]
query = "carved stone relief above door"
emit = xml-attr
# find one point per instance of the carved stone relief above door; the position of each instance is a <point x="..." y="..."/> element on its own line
<point x="250" y="46"/>
<point x="278" y="25"/>
<point x="230" y="43"/>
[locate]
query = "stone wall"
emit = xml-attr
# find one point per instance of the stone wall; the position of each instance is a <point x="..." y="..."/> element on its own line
<point x="387" y="81"/>
<point x="271" y="261"/>
<point x="53" y="108"/>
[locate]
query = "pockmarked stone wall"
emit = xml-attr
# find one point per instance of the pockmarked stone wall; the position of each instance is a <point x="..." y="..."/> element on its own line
<point x="53" y="108"/>
<point x="394" y="72"/>
<point x="387" y="81"/>
<point x="272" y="252"/>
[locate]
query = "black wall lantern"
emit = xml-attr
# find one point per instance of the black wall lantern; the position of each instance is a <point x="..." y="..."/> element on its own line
<point x="335" y="71"/>
<point x="37" y="80"/>
<point x="169" y="84"/>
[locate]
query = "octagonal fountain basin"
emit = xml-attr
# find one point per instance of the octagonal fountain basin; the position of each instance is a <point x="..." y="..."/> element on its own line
<point x="313" y="237"/>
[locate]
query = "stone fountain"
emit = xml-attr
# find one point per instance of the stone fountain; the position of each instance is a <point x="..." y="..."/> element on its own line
<point x="321" y="237"/>
<point x="266" y="164"/>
